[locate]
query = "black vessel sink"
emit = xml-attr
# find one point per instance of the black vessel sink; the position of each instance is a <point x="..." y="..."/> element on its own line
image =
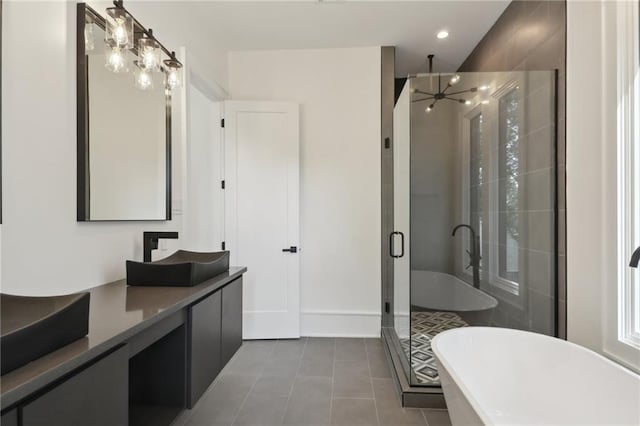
<point x="34" y="326"/>
<point x="181" y="269"/>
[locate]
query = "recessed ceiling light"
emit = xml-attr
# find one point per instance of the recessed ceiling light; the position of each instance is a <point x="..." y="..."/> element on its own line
<point x="442" y="34"/>
<point x="483" y="88"/>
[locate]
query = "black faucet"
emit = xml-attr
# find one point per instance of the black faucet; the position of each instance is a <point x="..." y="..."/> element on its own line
<point x="474" y="254"/>
<point x="150" y="242"/>
<point x="635" y="258"/>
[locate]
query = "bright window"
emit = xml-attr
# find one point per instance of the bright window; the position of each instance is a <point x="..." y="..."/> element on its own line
<point x="622" y="217"/>
<point x="476" y="174"/>
<point x="508" y="187"/>
<point x="628" y="180"/>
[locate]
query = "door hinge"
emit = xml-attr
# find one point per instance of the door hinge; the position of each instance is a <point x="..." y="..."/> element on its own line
<point x="222" y="123"/>
<point x="223" y="184"/>
<point x="387" y="143"/>
<point x="224" y="246"/>
<point x="387" y="307"/>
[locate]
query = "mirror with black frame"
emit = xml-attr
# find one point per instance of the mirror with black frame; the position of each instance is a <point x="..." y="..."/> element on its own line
<point x="124" y="133"/>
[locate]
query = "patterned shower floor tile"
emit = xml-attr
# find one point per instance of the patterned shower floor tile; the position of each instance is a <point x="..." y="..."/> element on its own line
<point x="424" y="326"/>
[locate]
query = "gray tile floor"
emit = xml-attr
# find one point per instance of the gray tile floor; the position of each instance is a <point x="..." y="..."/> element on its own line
<point x="310" y="381"/>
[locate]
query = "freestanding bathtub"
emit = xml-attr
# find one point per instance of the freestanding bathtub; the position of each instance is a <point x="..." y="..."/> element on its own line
<point x="436" y="291"/>
<point x="499" y="376"/>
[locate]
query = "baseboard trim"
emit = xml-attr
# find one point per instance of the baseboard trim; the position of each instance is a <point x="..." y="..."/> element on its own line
<point x="340" y="324"/>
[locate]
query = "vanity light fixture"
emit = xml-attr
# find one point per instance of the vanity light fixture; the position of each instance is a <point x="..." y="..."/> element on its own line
<point x="116" y="61"/>
<point x="89" y="40"/>
<point x="149" y="52"/>
<point x="443" y="93"/>
<point x="442" y="34"/>
<point x="119" y="27"/>
<point x="173" y="72"/>
<point x="123" y="31"/>
<point x="143" y="77"/>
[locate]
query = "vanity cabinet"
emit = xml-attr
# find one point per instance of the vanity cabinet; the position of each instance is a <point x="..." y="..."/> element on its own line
<point x="231" y="319"/>
<point x="95" y="396"/>
<point x="205" y="319"/>
<point x="215" y="325"/>
<point x="143" y="362"/>
<point x="10" y="418"/>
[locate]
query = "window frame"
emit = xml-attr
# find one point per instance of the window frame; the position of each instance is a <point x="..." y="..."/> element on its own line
<point x="466" y="173"/>
<point x="512" y="288"/>
<point x="502" y="255"/>
<point x="621" y="336"/>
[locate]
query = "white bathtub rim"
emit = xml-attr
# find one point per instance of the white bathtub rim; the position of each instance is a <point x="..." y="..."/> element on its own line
<point x="456" y="379"/>
<point x="463" y="388"/>
<point x="493" y="301"/>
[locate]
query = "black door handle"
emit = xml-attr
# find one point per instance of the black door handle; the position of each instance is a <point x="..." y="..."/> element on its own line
<point x="401" y="244"/>
<point x="292" y="249"/>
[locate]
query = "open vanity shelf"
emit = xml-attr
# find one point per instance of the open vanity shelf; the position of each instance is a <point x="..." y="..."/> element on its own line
<point x="150" y="353"/>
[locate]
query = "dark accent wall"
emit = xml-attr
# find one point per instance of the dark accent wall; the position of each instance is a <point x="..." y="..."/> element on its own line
<point x="531" y="35"/>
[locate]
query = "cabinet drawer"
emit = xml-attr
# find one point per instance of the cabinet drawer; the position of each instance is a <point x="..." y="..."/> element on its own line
<point x="10" y="418"/>
<point x="231" y="319"/>
<point x="95" y="396"/>
<point x="205" y="324"/>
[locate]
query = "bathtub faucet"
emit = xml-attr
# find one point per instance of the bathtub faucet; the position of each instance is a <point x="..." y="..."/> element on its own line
<point x="474" y="254"/>
<point x="635" y="258"/>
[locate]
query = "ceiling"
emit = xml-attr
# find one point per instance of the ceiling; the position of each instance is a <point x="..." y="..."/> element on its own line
<point x="411" y="26"/>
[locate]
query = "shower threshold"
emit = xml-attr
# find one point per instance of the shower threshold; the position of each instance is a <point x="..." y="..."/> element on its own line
<point x="410" y="396"/>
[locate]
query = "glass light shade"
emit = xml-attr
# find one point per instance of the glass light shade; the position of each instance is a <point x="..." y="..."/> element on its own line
<point x="173" y="77"/>
<point x="119" y="28"/>
<point x="144" y="79"/>
<point x="148" y="54"/>
<point x="454" y="80"/>
<point x="116" y="61"/>
<point x="89" y="40"/>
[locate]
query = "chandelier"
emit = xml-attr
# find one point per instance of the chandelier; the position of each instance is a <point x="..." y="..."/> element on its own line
<point x="444" y="93"/>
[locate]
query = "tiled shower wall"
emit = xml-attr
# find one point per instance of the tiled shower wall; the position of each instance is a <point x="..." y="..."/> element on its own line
<point x="531" y="35"/>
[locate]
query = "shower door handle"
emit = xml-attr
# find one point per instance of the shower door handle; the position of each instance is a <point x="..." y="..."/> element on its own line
<point x="391" y="251"/>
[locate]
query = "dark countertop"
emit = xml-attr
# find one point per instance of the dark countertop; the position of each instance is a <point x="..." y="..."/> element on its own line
<point x="117" y="312"/>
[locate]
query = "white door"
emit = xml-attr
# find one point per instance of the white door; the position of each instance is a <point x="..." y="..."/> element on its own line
<point x="261" y="142"/>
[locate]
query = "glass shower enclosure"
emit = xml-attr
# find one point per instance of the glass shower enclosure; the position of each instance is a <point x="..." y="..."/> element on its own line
<point x="474" y="241"/>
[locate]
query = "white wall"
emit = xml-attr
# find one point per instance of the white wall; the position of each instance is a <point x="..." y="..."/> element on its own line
<point x="45" y="251"/>
<point x="585" y="174"/>
<point x="204" y="210"/>
<point x="339" y="95"/>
